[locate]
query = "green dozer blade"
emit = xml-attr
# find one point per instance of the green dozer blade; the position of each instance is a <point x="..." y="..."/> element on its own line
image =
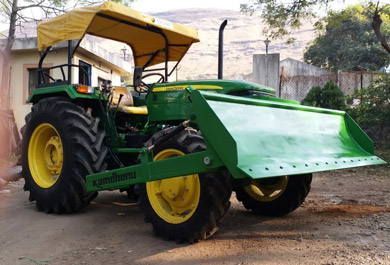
<point x="260" y="139"/>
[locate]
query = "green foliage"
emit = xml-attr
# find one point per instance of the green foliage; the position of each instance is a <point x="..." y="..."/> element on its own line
<point x="282" y="17"/>
<point x="43" y="9"/>
<point x="127" y="80"/>
<point x="348" y="41"/>
<point x="330" y="97"/>
<point x="313" y="98"/>
<point x="374" y="107"/>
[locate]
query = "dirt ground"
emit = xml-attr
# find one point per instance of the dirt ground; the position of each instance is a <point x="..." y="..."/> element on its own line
<point x="344" y="220"/>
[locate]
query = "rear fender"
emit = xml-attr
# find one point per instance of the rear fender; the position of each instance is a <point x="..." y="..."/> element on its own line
<point x="63" y="90"/>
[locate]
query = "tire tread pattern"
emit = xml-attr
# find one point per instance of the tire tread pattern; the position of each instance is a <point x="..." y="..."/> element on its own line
<point x="88" y="151"/>
<point x="297" y="189"/>
<point x="214" y="202"/>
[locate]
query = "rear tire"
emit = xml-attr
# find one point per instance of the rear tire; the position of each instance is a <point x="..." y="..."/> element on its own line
<point x="61" y="145"/>
<point x="278" y="197"/>
<point x="188" y="208"/>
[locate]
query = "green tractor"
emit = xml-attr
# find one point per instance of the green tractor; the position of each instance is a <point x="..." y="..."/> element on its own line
<point x="181" y="146"/>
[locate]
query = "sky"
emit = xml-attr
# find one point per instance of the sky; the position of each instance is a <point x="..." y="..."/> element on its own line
<point x="164" y="5"/>
<point x="152" y="6"/>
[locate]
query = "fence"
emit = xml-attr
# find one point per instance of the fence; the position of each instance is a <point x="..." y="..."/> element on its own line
<point x="350" y="81"/>
<point x="297" y="87"/>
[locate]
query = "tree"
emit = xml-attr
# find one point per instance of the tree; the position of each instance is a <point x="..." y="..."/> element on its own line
<point x="374" y="107"/>
<point x="348" y="41"/>
<point x="282" y="17"/>
<point x="15" y="14"/>
<point x="330" y="97"/>
<point x="372" y="112"/>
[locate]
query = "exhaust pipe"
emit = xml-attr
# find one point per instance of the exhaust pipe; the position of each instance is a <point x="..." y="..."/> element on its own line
<point x="220" y="49"/>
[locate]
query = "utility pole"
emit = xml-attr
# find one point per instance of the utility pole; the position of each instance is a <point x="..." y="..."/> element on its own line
<point x="124" y="50"/>
<point x="266" y="42"/>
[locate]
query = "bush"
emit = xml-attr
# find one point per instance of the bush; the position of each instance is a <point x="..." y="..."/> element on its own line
<point x="330" y="97"/>
<point x="373" y="112"/>
<point x="374" y="107"/>
<point x="313" y="98"/>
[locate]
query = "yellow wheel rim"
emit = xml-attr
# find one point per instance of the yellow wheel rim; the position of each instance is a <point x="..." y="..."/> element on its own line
<point x="174" y="200"/>
<point x="45" y="155"/>
<point x="267" y="190"/>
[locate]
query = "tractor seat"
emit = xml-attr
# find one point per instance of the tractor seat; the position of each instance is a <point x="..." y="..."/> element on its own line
<point x="126" y="104"/>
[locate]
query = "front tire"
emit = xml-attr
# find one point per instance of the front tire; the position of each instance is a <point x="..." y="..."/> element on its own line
<point x="187" y="208"/>
<point x="61" y="145"/>
<point x="275" y="196"/>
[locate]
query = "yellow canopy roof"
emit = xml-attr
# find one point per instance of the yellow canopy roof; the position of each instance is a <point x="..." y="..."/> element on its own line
<point x="144" y="34"/>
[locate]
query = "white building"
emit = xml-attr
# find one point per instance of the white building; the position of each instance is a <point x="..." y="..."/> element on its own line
<point x="100" y="64"/>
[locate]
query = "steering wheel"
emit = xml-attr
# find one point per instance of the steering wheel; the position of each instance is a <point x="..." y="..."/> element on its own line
<point x="148" y="86"/>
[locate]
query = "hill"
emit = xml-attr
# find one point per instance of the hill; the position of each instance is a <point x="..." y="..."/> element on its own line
<point x="242" y="37"/>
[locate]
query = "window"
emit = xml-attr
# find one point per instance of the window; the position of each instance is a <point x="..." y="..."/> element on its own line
<point x="102" y="81"/>
<point x="84" y="73"/>
<point x="33" y="78"/>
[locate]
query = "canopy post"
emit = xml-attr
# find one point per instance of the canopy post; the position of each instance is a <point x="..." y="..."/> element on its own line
<point x="70" y="61"/>
<point x="43" y="55"/>
<point x="166" y="56"/>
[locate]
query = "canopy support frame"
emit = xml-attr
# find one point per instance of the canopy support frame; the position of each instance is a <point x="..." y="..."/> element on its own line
<point x="148" y="28"/>
<point x="66" y="80"/>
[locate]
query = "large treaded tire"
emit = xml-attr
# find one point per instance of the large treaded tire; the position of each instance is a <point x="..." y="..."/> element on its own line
<point x="294" y="195"/>
<point x="213" y="203"/>
<point x="84" y="151"/>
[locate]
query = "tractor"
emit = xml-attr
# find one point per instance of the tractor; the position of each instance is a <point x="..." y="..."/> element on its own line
<point x="180" y="148"/>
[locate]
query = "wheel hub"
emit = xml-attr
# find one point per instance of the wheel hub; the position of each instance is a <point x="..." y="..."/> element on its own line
<point x="172" y="188"/>
<point x="45" y="155"/>
<point x="174" y="199"/>
<point x="54" y="155"/>
<point x="267" y="190"/>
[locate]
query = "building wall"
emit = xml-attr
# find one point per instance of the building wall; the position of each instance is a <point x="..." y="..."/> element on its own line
<point x="293" y="67"/>
<point x="266" y="70"/>
<point x="99" y="69"/>
<point x="22" y="60"/>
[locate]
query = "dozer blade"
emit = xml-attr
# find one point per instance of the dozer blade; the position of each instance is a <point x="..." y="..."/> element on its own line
<point x="261" y="139"/>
